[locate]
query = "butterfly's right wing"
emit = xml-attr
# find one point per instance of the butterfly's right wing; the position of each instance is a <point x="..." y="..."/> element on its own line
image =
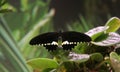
<point x="73" y="38"/>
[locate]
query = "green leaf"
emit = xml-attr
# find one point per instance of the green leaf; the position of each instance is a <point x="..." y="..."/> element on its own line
<point x="49" y="70"/>
<point x="81" y="47"/>
<point x="68" y="66"/>
<point x="35" y="30"/>
<point x="113" y="24"/>
<point x="11" y="57"/>
<point x="42" y="63"/>
<point x="2" y="2"/>
<point x="5" y="10"/>
<point x="102" y="37"/>
<point x="78" y="57"/>
<point x="96" y="32"/>
<point x="112" y="39"/>
<point x="115" y="61"/>
<point x="96" y="57"/>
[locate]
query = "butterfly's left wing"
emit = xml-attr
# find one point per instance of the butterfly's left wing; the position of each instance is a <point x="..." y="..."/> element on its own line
<point x="45" y="40"/>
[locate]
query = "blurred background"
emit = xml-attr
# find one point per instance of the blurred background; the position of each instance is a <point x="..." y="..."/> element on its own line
<point x="28" y="18"/>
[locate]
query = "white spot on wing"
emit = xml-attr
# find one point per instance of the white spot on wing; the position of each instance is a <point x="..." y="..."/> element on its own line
<point x="54" y="43"/>
<point x="65" y="42"/>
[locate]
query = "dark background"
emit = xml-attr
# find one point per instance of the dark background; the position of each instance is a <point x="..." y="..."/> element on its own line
<point x="98" y="11"/>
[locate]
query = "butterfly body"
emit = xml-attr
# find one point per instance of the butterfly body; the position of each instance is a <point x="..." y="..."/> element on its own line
<point x="65" y="40"/>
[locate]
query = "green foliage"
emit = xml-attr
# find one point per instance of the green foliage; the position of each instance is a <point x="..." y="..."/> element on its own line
<point x="27" y="23"/>
<point x="96" y="57"/>
<point x="111" y="39"/>
<point x="16" y="31"/>
<point x="96" y="32"/>
<point x="106" y="37"/>
<point x="113" y="24"/>
<point x="42" y="63"/>
<point x="10" y="52"/>
<point x="2" y="9"/>
<point x="91" y="56"/>
<point x="115" y="61"/>
<point x="31" y="18"/>
<point x="81" y="25"/>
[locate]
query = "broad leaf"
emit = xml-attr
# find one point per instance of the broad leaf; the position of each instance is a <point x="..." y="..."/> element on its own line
<point x="78" y="57"/>
<point x="42" y="63"/>
<point x="112" y="39"/>
<point x="113" y="24"/>
<point x="115" y="61"/>
<point x="96" y="57"/>
<point x="96" y="32"/>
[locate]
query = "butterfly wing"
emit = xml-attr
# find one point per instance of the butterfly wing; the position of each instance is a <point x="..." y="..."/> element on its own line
<point x="44" y="38"/>
<point x="73" y="38"/>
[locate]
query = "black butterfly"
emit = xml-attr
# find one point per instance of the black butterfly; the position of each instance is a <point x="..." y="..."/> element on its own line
<point x="66" y="40"/>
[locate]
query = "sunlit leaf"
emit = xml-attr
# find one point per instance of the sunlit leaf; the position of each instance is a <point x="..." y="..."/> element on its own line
<point x="115" y="61"/>
<point x="96" y="32"/>
<point x="42" y="63"/>
<point x="113" y="24"/>
<point x="102" y="37"/>
<point x="112" y="39"/>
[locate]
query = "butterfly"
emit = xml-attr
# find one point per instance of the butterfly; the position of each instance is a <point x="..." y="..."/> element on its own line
<point x="65" y="40"/>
